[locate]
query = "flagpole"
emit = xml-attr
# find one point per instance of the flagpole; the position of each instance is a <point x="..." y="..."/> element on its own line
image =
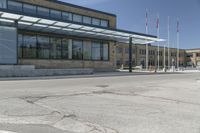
<point x="158" y="35"/>
<point x="168" y="42"/>
<point x="178" y="44"/>
<point x="147" y="48"/>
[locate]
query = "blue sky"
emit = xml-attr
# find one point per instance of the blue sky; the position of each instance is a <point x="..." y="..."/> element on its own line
<point x="131" y="16"/>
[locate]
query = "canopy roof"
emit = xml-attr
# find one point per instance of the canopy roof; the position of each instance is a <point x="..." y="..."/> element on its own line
<point x="43" y="24"/>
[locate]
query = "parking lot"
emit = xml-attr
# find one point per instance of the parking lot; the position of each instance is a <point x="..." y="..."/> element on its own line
<point x="110" y="103"/>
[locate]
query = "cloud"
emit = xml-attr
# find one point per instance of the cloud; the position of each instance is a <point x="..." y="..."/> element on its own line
<point x="86" y="2"/>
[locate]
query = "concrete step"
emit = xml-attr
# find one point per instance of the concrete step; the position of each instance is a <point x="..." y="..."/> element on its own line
<point x="17" y="67"/>
<point x="43" y="72"/>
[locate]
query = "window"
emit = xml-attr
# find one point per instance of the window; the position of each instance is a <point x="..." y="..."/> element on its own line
<point x="67" y="16"/>
<point x="43" y="11"/>
<point x="105" y="52"/>
<point x="55" y="51"/>
<point x="126" y="50"/>
<point x="87" y="49"/>
<point x="15" y="6"/>
<point x="119" y="50"/>
<point x="3" y="4"/>
<point x="77" y="18"/>
<point x="87" y="20"/>
<point x="96" y="21"/>
<point x="65" y="52"/>
<point x="55" y="14"/>
<point x="43" y="47"/>
<point x="77" y="48"/>
<point x="20" y="45"/>
<point x="96" y="51"/>
<point x="104" y="23"/>
<point x="29" y="9"/>
<point x="29" y="46"/>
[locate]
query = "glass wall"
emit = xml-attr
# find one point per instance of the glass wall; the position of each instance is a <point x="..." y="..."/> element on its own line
<point x="33" y="46"/>
<point x="55" y="50"/>
<point x="96" y="51"/>
<point x="77" y="18"/>
<point x="77" y="48"/>
<point x="105" y="52"/>
<point x="56" y="14"/>
<point x="20" y="45"/>
<point x="43" y="11"/>
<point x="13" y="5"/>
<point x="43" y="47"/>
<point x="87" y="50"/>
<point x="29" y="9"/>
<point x="29" y="46"/>
<point x="65" y="53"/>
<point x="3" y="4"/>
<point x="67" y="16"/>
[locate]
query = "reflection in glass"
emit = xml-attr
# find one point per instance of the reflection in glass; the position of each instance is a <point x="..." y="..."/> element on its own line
<point x="96" y="51"/>
<point x="29" y="9"/>
<point x="55" y="50"/>
<point x="43" y="47"/>
<point x="87" y="50"/>
<point x="29" y="46"/>
<point x="77" y="48"/>
<point x="65" y="49"/>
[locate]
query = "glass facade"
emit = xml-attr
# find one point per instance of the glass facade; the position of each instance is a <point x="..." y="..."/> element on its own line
<point x="43" y="11"/>
<point x="13" y="5"/>
<point x="67" y="16"/>
<point x="34" y="46"/>
<point x="56" y="14"/>
<point x="87" y="50"/>
<point x="96" y="51"/>
<point x="29" y="46"/>
<point x="87" y="20"/>
<point x="77" y="48"/>
<point x="29" y="9"/>
<point x="55" y="50"/>
<point x="3" y="4"/>
<point x="43" y="47"/>
<point x="77" y="18"/>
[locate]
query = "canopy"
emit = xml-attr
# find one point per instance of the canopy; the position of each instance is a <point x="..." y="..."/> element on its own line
<point x="42" y="24"/>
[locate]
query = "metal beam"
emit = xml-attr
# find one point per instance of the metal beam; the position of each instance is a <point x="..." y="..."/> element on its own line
<point x="130" y="54"/>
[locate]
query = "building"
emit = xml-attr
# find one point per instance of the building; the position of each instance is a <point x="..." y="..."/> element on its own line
<point x="193" y="57"/>
<point x="139" y="56"/>
<point x="54" y="34"/>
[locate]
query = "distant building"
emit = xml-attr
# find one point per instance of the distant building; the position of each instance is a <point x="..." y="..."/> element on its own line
<point x="187" y="57"/>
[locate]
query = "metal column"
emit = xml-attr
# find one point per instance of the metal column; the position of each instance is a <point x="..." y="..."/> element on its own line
<point x="130" y="54"/>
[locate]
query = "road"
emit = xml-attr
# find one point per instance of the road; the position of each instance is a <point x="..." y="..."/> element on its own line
<point x="161" y="103"/>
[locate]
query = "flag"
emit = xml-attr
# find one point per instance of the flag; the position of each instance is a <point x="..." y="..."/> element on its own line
<point x="177" y="25"/>
<point x="146" y="18"/>
<point x="157" y="22"/>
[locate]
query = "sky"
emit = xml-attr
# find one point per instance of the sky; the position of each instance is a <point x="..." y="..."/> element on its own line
<point x="131" y="16"/>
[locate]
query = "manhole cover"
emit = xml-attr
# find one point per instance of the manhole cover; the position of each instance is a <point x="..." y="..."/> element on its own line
<point x="102" y="86"/>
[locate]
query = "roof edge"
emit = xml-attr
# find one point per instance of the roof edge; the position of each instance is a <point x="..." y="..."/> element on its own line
<point x="82" y="7"/>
